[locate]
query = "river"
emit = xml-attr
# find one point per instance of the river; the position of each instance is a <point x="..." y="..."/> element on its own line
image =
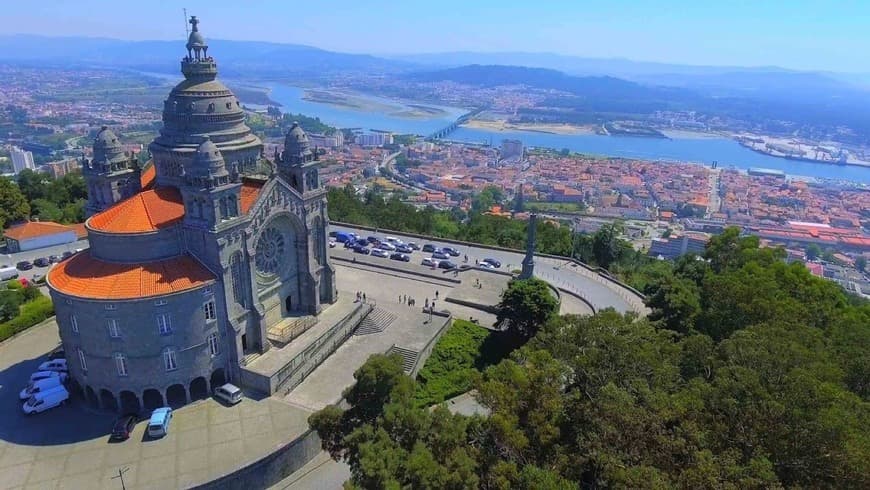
<point x="705" y="150"/>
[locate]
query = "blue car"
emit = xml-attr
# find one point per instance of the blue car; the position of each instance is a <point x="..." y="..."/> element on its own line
<point x="158" y="424"/>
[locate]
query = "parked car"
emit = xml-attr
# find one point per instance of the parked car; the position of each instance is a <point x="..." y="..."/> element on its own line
<point x="41" y="262"/>
<point x="401" y="257"/>
<point x="158" y="424"/>
<point x="373" y="239"/>
<point x="343" y="236"/>
<point x="66" y="255"/>
<point x="446" y="264"/>
<point x="56" y="354"/>
<point x="7" y="273"/>
<point x="123" y="427"/>
<point x="332" y="243"/>
<point x="361" y="250"/>
<point x="450" y="251"/>
<point x="377" y="252"/>
<point x="229" y="393"/>
<point x="413" y="246"/>
<point x="428" y="247"/>
<point x="350" y="244"/>
<point x="39" y="386"/>
<point x="58" y="365"/>
<point x="45" y="400"/>
<point x="493" y="262"/>
<point x="53" y="259"/>
<point x="361" y="242"/>
<point x="440" y="255"/>
<point x="387" y="246"/>
<point x="48" y="374"/>
<point x="486" y="265"/>
<point x="24" y="265"/>
<point x="404" y="249"/>
<point x="429" y="262"/>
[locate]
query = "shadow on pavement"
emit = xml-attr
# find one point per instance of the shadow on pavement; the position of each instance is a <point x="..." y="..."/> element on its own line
<point x="65" y="424"/>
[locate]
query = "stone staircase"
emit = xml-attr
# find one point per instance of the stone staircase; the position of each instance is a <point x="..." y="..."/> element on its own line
<point x="376" y="321"/>
<point x="409" y="357"/>
<point x="249" y="358"/>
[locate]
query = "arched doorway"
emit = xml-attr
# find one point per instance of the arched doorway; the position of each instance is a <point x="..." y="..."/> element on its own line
<point x="108" y="401"/>
<point x="91" y="397"/>
<point x="152" y="399"/>
<point x="218" y="378"/>
<point x="288" y="304"/>
<point x="176" y="396"/>
<point x="198" y="389"/>
<point x="129" y="402"/>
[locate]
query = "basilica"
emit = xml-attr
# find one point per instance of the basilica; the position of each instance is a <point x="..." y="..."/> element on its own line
<point x="194" y="255"/>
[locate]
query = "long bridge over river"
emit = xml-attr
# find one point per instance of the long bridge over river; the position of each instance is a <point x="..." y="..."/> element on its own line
<point x="446" y="130"/>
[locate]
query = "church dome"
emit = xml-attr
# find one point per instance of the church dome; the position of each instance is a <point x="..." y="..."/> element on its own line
<point x="201" y="106"/>
<point x="296" y="142"/>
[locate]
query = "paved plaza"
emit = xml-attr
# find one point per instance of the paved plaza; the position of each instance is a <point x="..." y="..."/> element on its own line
<point x="68" y="447"/>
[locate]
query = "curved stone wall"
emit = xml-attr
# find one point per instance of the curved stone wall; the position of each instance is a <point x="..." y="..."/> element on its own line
<point x="135" y="247"/>
<point x="102" y="331"/>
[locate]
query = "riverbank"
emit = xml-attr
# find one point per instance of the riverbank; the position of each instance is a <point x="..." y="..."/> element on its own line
<point x="363" y="103"/>
<point x="798" y="151"/>
<point x="499" y="125"/>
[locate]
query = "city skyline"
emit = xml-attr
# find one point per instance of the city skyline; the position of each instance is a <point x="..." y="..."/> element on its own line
<point x="806" y="35"/>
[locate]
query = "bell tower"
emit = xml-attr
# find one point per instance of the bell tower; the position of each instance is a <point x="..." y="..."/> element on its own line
<point x="110" y="175"/>
<point x="297" y="164"/>
<point x="210" y="192"/>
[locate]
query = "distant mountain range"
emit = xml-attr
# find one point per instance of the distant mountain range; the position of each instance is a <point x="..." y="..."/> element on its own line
<point x="762" y="94"/>
<point x="235" y="58"/>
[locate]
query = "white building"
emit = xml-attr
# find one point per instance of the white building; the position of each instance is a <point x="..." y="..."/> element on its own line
<point x="21" y="159"/>
<point x="374" y="139"/>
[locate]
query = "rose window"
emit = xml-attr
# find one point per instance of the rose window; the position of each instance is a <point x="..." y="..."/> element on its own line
<point x="270" y="251"/>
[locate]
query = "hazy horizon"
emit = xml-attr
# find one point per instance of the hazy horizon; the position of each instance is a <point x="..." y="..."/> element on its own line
<point x="808" y="35"/>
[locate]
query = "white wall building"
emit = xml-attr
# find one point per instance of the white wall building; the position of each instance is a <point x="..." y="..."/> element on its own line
<point x="21" y="159"/>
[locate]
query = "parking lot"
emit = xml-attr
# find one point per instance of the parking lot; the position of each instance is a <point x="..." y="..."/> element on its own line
<point x="68" y="446"/>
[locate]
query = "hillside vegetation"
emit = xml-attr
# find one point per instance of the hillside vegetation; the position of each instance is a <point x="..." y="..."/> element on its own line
<point x="751" y="373"/>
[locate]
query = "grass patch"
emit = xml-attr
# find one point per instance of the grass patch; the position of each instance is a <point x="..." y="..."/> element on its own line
<point x="561" y="207"/>
<point x="460" y="355"/>
<point x="33" y="307"/>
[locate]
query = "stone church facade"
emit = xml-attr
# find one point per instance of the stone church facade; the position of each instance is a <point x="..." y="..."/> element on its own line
<point x="193" y="257"/>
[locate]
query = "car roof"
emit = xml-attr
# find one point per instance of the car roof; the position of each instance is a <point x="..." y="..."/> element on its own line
<point x="159" y="415"/>
<point x="230" y="387"/>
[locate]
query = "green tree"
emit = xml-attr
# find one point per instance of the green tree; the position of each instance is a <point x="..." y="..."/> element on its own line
<point x="813" y="251"/>
<point x="861" y="263"/>
<point x="13" y="204"/>
<point x="676" y="304"/>
<point x="526" y="304"/>
<point x="606" y="246"/>
<point x="46" y="210"/>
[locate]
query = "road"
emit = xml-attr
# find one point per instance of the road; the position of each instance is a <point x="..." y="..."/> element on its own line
<point x="31" y="255"/>
<point x="560" y="273"/>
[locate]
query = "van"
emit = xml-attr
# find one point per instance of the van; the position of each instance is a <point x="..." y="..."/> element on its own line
<point x="58" y="365"/>
<point x="39" y="386"/>
<point x="45" y="400"/>
<point x="7" y="272"/>
<point x="229" y="393"/>
<point x="158" y="424"/>
<point x="343" y="236"/>
<point x="47" y="374"/>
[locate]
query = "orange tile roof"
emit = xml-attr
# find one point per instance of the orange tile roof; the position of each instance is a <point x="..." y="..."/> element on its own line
<point x="33" y="229"/>
<point x="249" y="193"/>
<point x="148" y="176"/>
<point x="81" y="230"/>
<point x="86" y="277"/>
<point x="144" y="212"/>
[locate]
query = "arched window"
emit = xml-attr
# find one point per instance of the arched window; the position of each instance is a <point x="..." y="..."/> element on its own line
<point x="237" y="275"/>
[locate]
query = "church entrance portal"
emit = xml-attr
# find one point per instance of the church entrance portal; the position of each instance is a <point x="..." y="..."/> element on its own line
<point x="244" y="342"/>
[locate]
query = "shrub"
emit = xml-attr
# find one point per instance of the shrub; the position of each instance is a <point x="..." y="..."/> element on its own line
<point x="31" y="313"/>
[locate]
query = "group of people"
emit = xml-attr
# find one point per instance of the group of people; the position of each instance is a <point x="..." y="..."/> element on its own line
<point x="404" y="298"/>
<point x="361" y="297"/>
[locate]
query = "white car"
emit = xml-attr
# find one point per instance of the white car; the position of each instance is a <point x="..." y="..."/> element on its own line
<point x="229" y="393"/>
<point x="377" y="252"/>
<point x="39" y="386"/>
<point x="58" y="365"/>
<point x="47" y="374"/>
<point x="45" y="400"/>
<point x="486" y="265"/>
<point x="332" y="243"/>
<point x="429" y="262"/>
<point x="387" y="246"/>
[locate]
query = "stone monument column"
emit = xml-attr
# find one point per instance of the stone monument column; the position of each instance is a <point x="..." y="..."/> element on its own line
<point x="529" y="260"/>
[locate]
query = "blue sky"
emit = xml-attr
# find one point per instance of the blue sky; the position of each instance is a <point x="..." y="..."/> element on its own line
<point x="803" y="34"/>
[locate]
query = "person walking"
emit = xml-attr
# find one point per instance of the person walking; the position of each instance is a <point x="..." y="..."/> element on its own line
<point x="364" y="298"/>
<point x="436" y="294"/>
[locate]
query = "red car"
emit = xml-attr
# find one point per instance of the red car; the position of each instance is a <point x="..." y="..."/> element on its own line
<point x="123" y="427"/>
